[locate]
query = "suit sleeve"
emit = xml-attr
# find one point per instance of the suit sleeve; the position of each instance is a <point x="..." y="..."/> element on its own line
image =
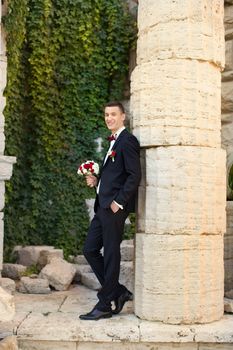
<point x="131" y="157"/>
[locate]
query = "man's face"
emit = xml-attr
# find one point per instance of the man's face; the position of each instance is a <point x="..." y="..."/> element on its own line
<point x="114" y="118"/>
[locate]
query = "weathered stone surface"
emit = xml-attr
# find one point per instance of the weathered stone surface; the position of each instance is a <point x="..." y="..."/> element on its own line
<point x="80" y="259"/>
<point x="13" y="271"/>
<point x="89" y="280"/>
<point x="9" y="343"/>
<point x="228" y="249"/>
<point x="2" y="195"/>
<point x="29" y="255"/>
<point x="226" y="131"/>
<point x="8" y="285"/>
<point x="116" y="329"/>
<point x="227" y="99"/>
<point x="46" y="255"/>
<point x="228" y="305"/>
<point x="6" y="166"/>
<point x="229" y="54"/>
<point x="63" y="326"/>
<point x="1" y="240"/>
<point x="59" y="273"/>
<point x="127" y="275"/>
<point x="127" y="250"/>
<point x="90" y="207"/>
<point x="229" y="294"/>
<point x="7" y="307"/>
<point x="39" y="303"/>
<point x="179" y="279"/>
<point x="46" y="345"/>
<point x="33" y="285"/>
<point x="171" y="104"/>
<point x="228" y="21"/>
<point x="80" y="269"/>
<point x="183" y="195"/>
<point x="192" y="30"/>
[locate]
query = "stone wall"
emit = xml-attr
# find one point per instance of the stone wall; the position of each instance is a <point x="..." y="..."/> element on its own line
<point x="176" y="109"/>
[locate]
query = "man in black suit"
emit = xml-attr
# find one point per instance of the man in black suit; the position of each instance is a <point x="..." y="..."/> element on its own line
<point x="116" y="190"/>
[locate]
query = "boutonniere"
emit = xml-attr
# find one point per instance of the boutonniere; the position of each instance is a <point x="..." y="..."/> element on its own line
<point x="112" y="155"/>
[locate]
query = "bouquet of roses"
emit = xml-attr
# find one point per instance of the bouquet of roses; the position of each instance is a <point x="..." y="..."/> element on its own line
<point x="88" y="168"/>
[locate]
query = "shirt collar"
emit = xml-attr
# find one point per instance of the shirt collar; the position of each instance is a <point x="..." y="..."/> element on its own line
<point x="119" y="131"/>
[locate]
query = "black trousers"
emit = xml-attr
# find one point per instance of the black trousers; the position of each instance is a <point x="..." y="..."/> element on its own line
<point x="106" y="230"/>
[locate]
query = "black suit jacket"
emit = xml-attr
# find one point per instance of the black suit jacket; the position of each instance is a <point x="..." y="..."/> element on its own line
<point x="120" y="178"/>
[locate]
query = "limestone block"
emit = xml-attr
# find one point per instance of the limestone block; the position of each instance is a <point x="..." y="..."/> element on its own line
<point x="185" y="191"/>
<point x="33" y="286"/>
<point x="229" y="54"/>
<point x="2" y="141"/>
<point x="7" y="284"/>
<point x="9" y="343"/>
<point x="2" y="106"/>
<point x="6" y="166"/>
<point x="90" y="207"/>
<point x="59" y="273"/>
<point x="3" y="73"/>
<point x="80" y="259"/>
<point x="80" y="269"/>
<point x="228" y="305"/>
<point x="127" y="250"/>
<point x="127" y="275"/>
<point x="2" y="41"/>
<point x="2" y="195"/>
<point x="179" y="279"/>
<point x="46" y="345"/>
<point x="7" y="307"/>
<point x="89" y="280"/>
<point x="46" y="255"/>
<point x="194" y="30"/>
<point x="227" y="131"/>
<point x="29" y="255"/>
<point x="1" y="240"/>
<point x="171" y="103"/>
<point x="13" y="271"/>
<point x="227" y="99"/>
<point x="228" y="22"/>
<point x="228" y="249"/>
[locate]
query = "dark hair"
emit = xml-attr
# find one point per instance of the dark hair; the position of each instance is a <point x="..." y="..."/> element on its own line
<point x="115" y="104"/>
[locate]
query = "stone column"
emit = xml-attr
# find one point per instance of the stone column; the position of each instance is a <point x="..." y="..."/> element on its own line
<point x="176" y="110"/>
<point x="6" y="164"/>
<point x="227" y="140"/>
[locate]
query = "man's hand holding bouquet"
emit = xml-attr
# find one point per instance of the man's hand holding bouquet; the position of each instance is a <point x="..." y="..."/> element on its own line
<point x="90" y="170"/>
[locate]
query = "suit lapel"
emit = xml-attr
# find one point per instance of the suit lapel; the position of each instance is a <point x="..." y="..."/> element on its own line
<point x="122" y="134"/>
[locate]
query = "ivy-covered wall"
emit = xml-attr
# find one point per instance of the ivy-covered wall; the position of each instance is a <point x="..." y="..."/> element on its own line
<point x="66" y="58"/>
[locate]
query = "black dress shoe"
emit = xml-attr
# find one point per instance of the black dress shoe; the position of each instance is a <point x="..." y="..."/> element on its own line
<point x="96" y="315"/>
<point x="121" y="300"/>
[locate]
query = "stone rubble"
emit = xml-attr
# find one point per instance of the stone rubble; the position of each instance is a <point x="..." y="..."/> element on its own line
<point x="29" y="255"/>
<point x="33" y="285"/>
<point x="47" y="255"/>
<point x="13" y="271"/>
<point x="59" y="273"/>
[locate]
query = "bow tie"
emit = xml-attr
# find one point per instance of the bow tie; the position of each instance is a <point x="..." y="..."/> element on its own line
<point x="111" y="138"/>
